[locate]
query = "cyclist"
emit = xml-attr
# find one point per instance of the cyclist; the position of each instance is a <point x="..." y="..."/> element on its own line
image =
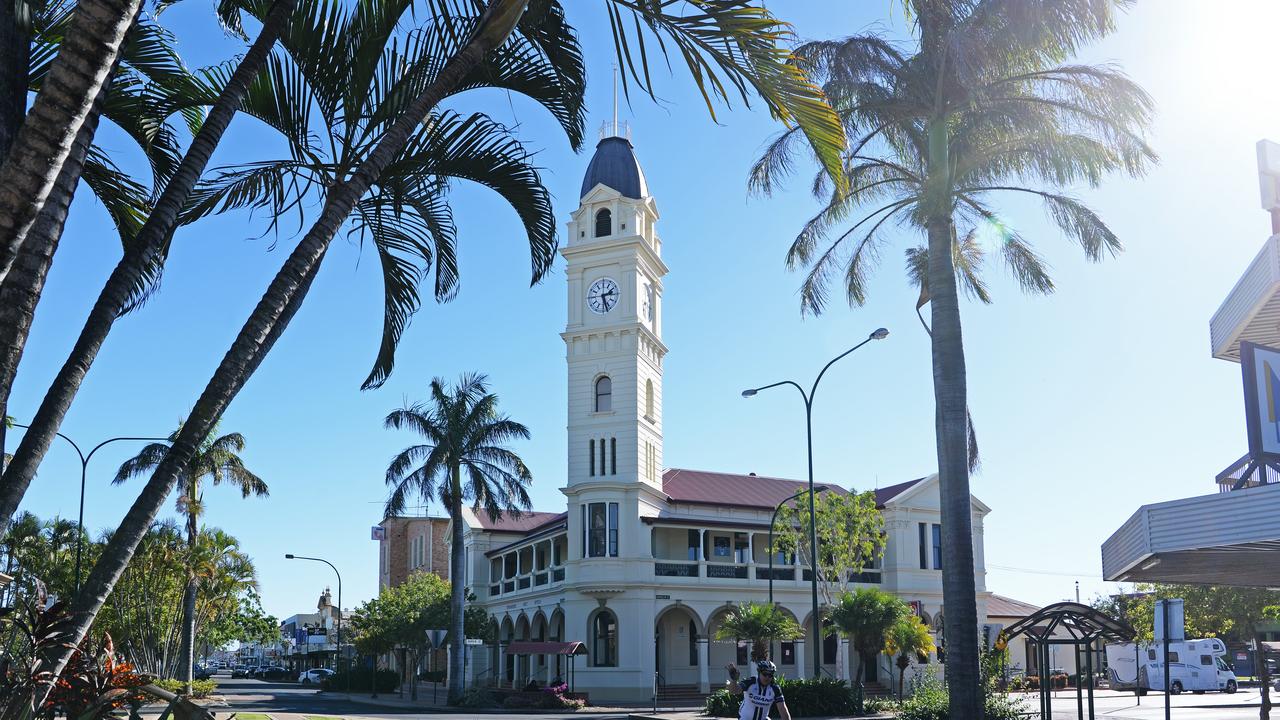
<point x="759" y="694"/>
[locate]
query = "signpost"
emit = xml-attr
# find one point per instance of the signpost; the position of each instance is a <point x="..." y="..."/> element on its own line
<point x="436" y="636"/>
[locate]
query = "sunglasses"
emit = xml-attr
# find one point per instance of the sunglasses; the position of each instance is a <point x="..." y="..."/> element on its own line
<point x="766" y="672"/>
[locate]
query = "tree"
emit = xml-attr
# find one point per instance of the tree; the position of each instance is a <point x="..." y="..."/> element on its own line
<point x="865" y="616"/>
<point x="44" y="142"/>
<point x="148" y="70"/>
<point x="761" y="624"/>
<point x="850" y="533"/>
<point x="979" y="105"/>
<point x="465" y="458"/>
<point x="907" y="637"/>
<point x="217" y="460"/>
<point x="247" y="622"/>
<point x="401" y="616"/>
<point x="140" y="264"/>
<point x="730" y="47"/>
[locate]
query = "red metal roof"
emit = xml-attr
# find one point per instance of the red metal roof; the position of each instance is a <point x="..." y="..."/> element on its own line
<point x="1001" y="606"/>
<point x="885" y="494"/>
<point x="527" y="522"/>
<point x="713" y="488"/>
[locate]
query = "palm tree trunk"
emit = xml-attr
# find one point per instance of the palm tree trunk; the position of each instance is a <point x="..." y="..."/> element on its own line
<point x="131" y="271"/>
<point x="15" y="57"/>
<point x="949" y="382"/>
<point x="20" y="291"/>
<point x="458" y="597"/>
<point x="83" y="65"/>
<point x="269" y="319"/>
<point x="186" y="655"/>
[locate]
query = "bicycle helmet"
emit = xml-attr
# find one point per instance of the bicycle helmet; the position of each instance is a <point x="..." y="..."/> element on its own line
<point x="767" y="666"/>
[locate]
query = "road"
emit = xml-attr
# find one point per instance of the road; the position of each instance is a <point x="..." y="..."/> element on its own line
<point x="1187" y="706"/>
<point x="290" y="701"/>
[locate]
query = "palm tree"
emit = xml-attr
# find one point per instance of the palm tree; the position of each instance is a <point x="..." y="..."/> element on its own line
<point x="864" y="616"/>
<point x="143" y="256"/>
<point x="981" y="105"/>
<point x="761" y="623"/>
<point x="149" y="69"/>
<point x="465" y="457"/>
<point x="730" y="47"/>
<point x="908" y="637"/>
<point x="218" y="460"/>
<point x="83" y="65"/>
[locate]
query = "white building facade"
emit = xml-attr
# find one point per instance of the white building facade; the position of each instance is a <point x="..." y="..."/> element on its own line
<point x="643" y="562"/>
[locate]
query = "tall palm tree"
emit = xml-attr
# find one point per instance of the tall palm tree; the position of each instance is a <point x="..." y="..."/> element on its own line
<point x="142" y="257"/>
<point x="761" y="624"/>
<point x="729" y="47"/>
<point x="908" y="637"/>
<point x="149" y="68"/>
<point x="218" y="461"/>
<point x="465" y="458"/>
<point x="983" y="103"/>
<point x="864" y="616"/>
<point x="83" y="65"/>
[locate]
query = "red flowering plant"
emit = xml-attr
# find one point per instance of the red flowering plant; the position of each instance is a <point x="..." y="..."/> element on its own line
<point x="94" y="684"/>
<point x="97" y="682"/>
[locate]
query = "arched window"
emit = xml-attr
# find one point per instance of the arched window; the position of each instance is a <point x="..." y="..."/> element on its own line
<point x="604" y="223"/>
<point x="604" y="640"/>
<point x="648" y="399"/>
<point x="604" y="394"/>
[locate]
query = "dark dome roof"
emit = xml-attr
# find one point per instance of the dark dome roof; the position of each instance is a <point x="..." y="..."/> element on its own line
<point x="614" y="165"/>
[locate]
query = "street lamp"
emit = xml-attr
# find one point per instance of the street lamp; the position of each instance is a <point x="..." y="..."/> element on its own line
<point x="84" y="471"/>
<point x="291" y="556"/>
<point x="879" y="334"/>
<point x="772" y="520"/>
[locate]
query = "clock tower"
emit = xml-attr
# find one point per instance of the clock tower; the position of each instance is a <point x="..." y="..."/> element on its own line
<point x="614" y="352"/>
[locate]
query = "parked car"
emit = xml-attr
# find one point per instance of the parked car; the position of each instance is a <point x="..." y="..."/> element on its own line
<point x="239" y="671"/>
<point x="271" y="672"/>
<point x="314" y="675"/>
<point x="201" y="672"/>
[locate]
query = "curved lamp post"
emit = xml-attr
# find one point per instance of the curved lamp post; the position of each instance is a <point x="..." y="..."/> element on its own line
<point x="291" y="556"/>
<point x="878" y="334"/>
<point x="774" y="519"/>
<point x="84" y="471"/>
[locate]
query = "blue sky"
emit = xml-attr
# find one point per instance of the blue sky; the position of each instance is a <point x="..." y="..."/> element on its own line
<point x="1088" y="403"/>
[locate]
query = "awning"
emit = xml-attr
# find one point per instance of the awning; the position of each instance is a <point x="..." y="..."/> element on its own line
<point x="533" y="647"/>
<point x="1228" y="538"/>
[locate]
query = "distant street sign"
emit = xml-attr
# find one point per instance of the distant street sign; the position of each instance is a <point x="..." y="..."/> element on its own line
<point x="437" y="638"/>
<point x="474" y="641"/>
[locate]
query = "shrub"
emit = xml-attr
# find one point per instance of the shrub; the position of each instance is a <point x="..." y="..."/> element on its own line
<point x="478" y="697"/>
<point x="929" y="702"/>
<point x="817" y="698"/>
<point x="880" y="705"/>
<point x="555" y="697"/>
<point x="199" y="688"/>
<point x="362" y="680"/>
<point x="721" y="704"/>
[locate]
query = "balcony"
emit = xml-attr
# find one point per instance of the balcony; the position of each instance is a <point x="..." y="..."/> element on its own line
<point x="545" y="577"/>
<point x="672" y="569"/>
<point x="717" y="570"/>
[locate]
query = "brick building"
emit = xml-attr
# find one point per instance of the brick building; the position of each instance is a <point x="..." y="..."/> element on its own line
<point x="412" y="544"/>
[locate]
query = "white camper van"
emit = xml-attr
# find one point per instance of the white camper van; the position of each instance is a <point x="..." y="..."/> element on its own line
<point x="1195" y="665"/>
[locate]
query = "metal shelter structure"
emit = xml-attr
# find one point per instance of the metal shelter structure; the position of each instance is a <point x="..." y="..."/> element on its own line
<point x="1067" y="623"/>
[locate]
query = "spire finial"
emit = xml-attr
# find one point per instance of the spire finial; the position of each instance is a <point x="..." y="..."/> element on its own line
<point x="615" y="99"/>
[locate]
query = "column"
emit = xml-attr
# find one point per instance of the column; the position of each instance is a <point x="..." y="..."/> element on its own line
<point x="800" y="657"/>
<point x="751" y="555"/>
<point x="842" y="660"/>
<point x="704" y="665"/>
<point x="702" y="552"/>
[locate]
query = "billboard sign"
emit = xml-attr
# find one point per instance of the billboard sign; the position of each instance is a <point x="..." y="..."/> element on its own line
<point x="1260" y="366"/>
<point x="378" y="532"/>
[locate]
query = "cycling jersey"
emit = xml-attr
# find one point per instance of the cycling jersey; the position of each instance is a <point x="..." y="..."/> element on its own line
<point x="757" y="699"/>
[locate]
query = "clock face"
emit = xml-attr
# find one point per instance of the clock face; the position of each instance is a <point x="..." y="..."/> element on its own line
<point x="602" y="296"/>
